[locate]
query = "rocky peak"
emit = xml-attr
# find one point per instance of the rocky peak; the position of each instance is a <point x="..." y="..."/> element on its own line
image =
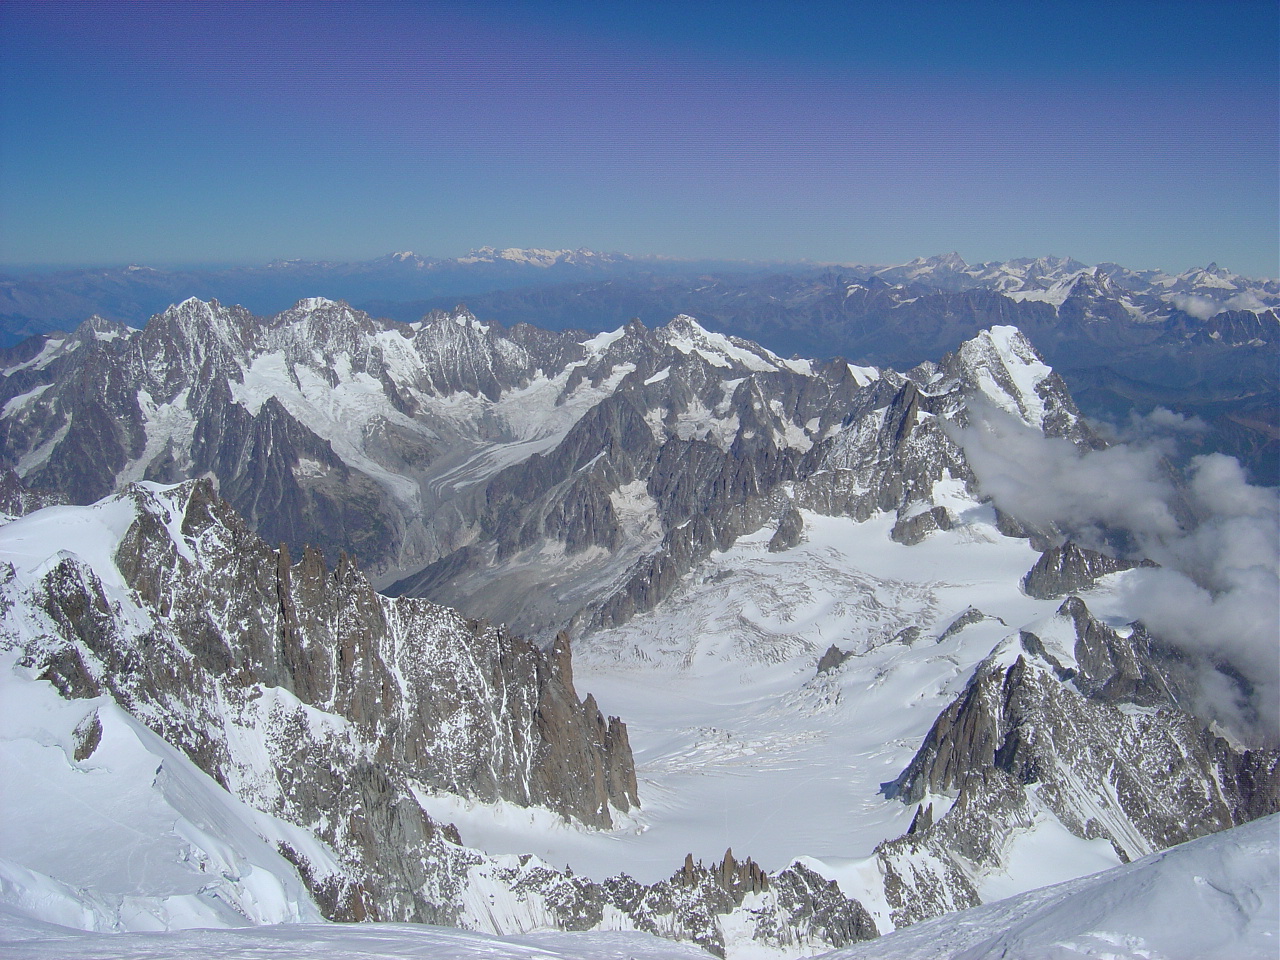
<point x="199" y="340"/>
<point x="1071" y="701"/>
<point x="316" y="327"/>
<point x="17" y="500"/>
<point x="685" y="334"/>
<point x="1001" y="366"/>
<point x="218" y="627"/>
<point x="98" y="328"/>
<point x="1092" y="284"/>
<point x="1071" y="568"/>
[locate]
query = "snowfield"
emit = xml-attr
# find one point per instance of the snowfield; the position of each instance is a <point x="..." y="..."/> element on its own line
<point x="740" y="742"/>
<point x="1216" y="898"/>
<point x="23" y="940"/>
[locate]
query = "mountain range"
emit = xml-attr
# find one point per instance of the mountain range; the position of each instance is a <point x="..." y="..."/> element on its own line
<point x="905" y="641"/>
<point x="1201" y="345"/>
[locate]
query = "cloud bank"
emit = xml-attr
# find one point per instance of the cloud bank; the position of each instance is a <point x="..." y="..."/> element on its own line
<point x="1202" y="308"/>
<point x="1217" y="592"/>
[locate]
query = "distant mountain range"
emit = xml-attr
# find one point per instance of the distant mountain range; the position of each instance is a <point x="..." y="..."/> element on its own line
<point x="40" y="301"/>
<point x="1203" y="344"/>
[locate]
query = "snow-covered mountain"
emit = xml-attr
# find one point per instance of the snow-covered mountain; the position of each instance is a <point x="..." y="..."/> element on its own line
<point x="269" y="737"/>
<point x="1209" y="899"/>
<point x="1202" y="343"/>
<point x="847" y="643"/>
<point x="1200" y="291"/>
<point x="39" y="302"/>
<point x="264" y="672"/>
<point x="491" y="464"/>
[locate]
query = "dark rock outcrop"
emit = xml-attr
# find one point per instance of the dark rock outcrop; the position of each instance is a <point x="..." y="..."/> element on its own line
<point x="970" y="616"/>
<point x="914" y="529"/>
<point x="833" y="658"/>
<point x="1071" y="568"/>
<point x="1104" y="712"/>
<point x="16" y="500"/>
<point x="790" y="529"/>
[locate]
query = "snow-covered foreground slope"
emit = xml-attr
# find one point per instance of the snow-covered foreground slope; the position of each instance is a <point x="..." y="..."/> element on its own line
<point x="108" y="827"/>
<point x="1216" y="898"/>
<point x="1210" y="899"/>
<point x="23" y="940"/>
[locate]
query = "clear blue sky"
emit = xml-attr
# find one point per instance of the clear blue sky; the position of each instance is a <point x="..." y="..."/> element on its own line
<point x="152" y="132"/>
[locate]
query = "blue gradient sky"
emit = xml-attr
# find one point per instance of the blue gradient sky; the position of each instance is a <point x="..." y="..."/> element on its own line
<point x="162" y="133"/>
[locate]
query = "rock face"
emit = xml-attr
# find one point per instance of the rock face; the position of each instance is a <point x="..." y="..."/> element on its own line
<point x="792" y="910"/>
<point x="16" y="500"/>
<point x="833" y="658"/>
<point x="1075" y="718"/>
<point x="1071" y="568"/>
<point x="357" y="700"/>
<point x="790" y="529"/>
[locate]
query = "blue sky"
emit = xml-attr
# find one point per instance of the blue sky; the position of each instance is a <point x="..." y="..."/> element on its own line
<point x="161" y="133"/>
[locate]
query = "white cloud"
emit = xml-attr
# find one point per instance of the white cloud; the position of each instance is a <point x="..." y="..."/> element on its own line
<point x="1049" y="481"/>
<point x="1217" y="592"/>
<point x="1202" y="308"/>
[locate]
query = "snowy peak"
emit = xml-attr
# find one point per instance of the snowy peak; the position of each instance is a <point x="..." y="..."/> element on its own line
<point x="98" y="329"/>
<point x="539" y="258"/>
<point x="1072" y="720"/>
<point x="1210" y="276"/>
<point x="195" y="320"/>
<point x="944" y="270"/>
<point x="1118" y="292"/>
<point x="312" y="304"/>
<point x="1091" y="283"/>
<point x="406" y="256"/>
<point x="687" y="336"/>
<point x="1003" y="367"/>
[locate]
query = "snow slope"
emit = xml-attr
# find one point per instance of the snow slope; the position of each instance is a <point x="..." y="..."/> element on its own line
<point x="1211" y="899"/>
<point x="197" y="856"/>
<point x="1215" y="898"/>
<point x="22" y="940"/>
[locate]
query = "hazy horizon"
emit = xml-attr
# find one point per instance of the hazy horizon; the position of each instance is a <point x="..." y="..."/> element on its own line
<point x="38" y="269"/>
